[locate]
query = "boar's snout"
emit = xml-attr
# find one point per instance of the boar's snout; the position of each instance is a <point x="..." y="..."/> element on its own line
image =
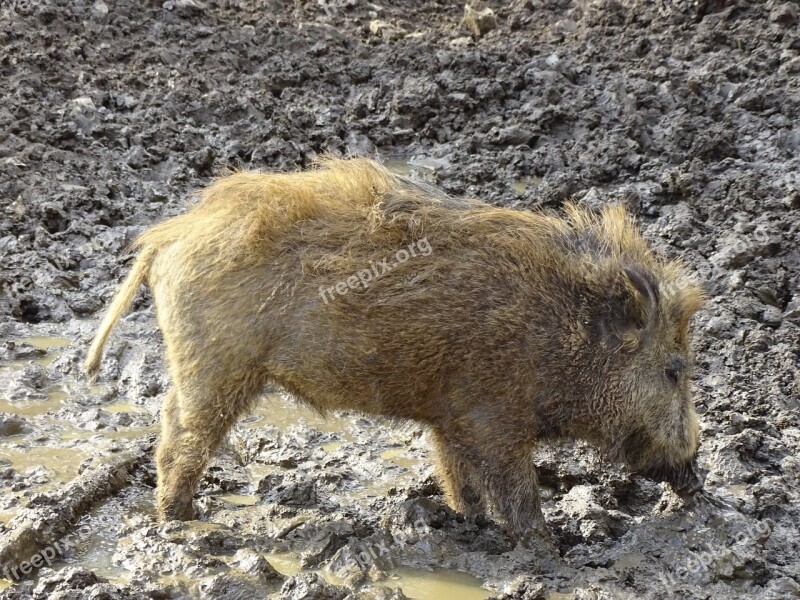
<point x="691" y="488"/>
<point x="685" y="479"/>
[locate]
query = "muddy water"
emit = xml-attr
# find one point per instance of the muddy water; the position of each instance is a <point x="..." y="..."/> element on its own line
<point x="48" y="462"/>
<point x="281" y="411"/>
<point x="526" y="184"/>
<point x="95" y="551"/>
<point x="416" y="584"/>
<point x="51" y="345"/>
<point x="278" y="410"/>
<point x="52" y="448"/>
<point x="414" y="167"/>
<point x="62" y="464"/>
<point x="397" y="165"/>
<point x="32" y="408"/>
<point x="45" y="342"/>
<point x="423" y="585"/>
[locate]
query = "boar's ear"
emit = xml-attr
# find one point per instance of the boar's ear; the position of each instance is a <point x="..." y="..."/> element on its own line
<point x="644" y="295"/>
<point x="639" y="304"/>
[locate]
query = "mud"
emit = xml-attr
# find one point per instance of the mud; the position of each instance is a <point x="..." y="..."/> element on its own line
<point x="113" y="113"/>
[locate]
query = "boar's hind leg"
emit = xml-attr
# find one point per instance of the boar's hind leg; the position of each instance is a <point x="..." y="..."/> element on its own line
<point x="460" y="477"/>
<point x="191" y="431"/>
<point x="170" y="504"/>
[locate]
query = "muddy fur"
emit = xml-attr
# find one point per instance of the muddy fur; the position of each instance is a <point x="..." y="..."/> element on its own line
<point x="514" y="327"/>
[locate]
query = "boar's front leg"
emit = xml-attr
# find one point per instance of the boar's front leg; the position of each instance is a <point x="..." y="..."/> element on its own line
<point x="514" y="488"/>
<point x="479" y="463"/>
<point x="457" y="471"/>
<point x="505" y="460"/>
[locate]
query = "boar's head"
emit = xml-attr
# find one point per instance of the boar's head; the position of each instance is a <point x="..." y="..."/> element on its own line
<point x="649" y="373"/>
<point x="632" y="383"/>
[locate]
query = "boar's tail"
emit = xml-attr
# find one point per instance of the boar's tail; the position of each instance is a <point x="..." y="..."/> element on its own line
<point x="121" y="301"/>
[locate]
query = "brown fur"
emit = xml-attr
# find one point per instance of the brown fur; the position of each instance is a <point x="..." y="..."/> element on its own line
<point x="517" y="327"/>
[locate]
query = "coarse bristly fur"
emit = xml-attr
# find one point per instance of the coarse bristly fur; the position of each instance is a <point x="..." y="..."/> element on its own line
<point x="511" y="327"/>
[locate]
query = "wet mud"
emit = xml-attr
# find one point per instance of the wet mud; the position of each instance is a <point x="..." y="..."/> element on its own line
<point x="113" y="113"/>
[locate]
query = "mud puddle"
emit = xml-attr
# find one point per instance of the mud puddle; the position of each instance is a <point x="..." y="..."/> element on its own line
<point x="415" y="584"/>
<point x="445" y="585"/>
<point x="526" y="184"/>
<point x="417" y="167"/>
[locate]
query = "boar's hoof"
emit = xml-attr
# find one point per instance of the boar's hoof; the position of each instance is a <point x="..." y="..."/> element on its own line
<point x="178" y="511"/>
<point x="541" y="541"/>
<point x="684" y="480"/>
<point x="471" y="499"/>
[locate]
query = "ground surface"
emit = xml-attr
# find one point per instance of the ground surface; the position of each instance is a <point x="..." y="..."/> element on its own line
<point x="111" y="114"/>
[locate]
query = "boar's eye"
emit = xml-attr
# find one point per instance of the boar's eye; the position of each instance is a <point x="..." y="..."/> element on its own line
<point x="674" y="369"/>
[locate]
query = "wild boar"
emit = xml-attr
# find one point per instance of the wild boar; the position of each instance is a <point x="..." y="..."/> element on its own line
<point x="356" y="289"/>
